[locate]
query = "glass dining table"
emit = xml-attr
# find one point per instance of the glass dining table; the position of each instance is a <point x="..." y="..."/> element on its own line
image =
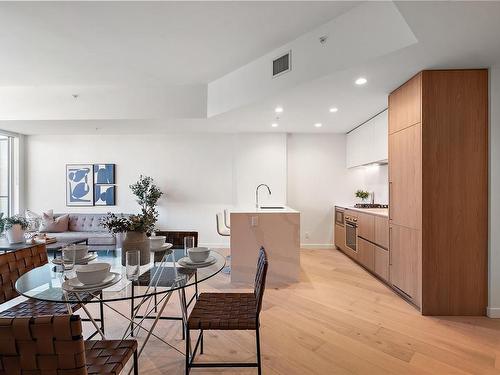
<point x="151" y="291"/>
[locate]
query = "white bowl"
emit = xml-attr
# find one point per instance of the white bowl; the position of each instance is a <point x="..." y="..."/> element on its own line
<point x="81" y="251"/>
<point x="198" y="254"/>
<point x="92" y="273"/>
<point x="155" y="242"/>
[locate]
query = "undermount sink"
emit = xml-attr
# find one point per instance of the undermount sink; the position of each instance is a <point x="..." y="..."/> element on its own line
<point x="272" y="207"/>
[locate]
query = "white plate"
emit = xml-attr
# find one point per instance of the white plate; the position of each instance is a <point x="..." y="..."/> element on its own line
<point x="162" y="248"/>
<point x="188" y="263"/>
<point x="84" y="260"/>
<point x="73" y="284"/>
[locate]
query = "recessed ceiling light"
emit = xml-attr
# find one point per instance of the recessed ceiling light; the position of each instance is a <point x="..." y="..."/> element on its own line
<point x="275" y="125"/>
<point x="360" y="81"/>
<point x="318" y="125"/>
<point x="333" y="109"/>
<point x="278" y="109"/>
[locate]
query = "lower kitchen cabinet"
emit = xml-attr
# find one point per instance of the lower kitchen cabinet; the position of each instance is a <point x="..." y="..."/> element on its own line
<point x="366" y="226"/>
<point x="340" y="237"/>
<point x="404" y="244"/>
<point x="382" y="232"/>
<point x="381" y="267"/>
<point x="366" y="253"/>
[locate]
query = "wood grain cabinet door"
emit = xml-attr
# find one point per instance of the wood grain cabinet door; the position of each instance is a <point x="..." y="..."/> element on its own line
<point x="382" y="231"/>
<point x="366" y="254"/>
<point x="366" y="226"/>
<point x="381" y="267"/>
<point x="405" y="105"/>
<point x="340" y="236"/>
<point x="404" y="247"/>
<point x="405" y="177"/>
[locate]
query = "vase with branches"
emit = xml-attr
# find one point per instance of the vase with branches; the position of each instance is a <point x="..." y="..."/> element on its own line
<point x="138" y="225"/>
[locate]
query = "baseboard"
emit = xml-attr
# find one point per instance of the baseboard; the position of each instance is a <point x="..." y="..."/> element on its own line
<point x="215" y="245"/>
<point x="316" y="246"/>
<point x="493" y="312"/>
<point x="302" y="246"/>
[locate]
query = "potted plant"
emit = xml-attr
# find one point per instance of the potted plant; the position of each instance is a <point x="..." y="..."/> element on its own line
<point x="136" y="227"/>
<point x="14" y="228"/>
<point x="362" y="194"/>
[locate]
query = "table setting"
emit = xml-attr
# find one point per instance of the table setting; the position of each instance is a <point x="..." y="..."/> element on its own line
<point x="77" y="272"/>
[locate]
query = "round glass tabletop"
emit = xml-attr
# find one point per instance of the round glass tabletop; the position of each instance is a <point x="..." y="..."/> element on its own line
<point x="45" y="283"/>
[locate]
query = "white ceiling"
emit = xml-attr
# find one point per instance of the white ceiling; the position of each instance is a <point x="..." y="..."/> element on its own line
<point x="145" y="43"/>
<point x="449" y="34"/>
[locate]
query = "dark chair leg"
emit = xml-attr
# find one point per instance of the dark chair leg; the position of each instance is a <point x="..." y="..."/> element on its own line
<point x="183" y="300"/>
<point x="188" y="343"/>
<point x="156" y="302"/>
<point x="257" y="336"/>
<point x="136" y="364"/>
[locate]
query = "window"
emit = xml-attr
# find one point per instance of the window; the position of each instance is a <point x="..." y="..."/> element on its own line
<point x="6" y="164"/>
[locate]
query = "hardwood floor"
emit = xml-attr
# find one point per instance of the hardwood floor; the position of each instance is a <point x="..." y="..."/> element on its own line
<point x="337" y="320"/>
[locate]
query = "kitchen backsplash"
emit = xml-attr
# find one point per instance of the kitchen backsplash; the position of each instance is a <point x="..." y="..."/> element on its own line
<point x="373" y="178"/>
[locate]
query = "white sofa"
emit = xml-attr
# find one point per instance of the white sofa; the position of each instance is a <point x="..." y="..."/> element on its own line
<point x="88" y="226"/>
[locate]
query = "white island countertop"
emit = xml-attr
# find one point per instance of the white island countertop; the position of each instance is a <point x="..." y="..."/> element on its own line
<point x="270" y="210"/>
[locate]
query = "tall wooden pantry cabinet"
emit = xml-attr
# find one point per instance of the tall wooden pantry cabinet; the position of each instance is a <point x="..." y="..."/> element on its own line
<point x="438" y="191"/>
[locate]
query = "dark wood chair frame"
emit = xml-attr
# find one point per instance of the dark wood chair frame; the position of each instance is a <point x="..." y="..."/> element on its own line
<point x="259" y="293"/>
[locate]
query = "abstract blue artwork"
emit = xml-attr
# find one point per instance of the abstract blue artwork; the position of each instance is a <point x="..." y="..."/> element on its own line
<point x="79" y="185"/>
<point x="104" y="173"/>
<point x="104" y="195"/>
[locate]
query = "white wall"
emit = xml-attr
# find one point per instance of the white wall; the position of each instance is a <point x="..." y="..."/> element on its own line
<point x="199" y="173"/>
<point x="260" y="159"/>
<point x="318" y="179"/>
<point x="203" y="173"/>
<point x="494" y="189"/>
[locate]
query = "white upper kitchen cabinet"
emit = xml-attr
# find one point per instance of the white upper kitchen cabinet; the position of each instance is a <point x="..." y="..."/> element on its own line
<point x="368" y="143"/>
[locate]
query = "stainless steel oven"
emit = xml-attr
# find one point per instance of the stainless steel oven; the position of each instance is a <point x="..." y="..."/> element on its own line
<point x="351" y="232"/>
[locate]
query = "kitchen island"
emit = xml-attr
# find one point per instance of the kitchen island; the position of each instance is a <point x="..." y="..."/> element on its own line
<point x="278" y="230"/>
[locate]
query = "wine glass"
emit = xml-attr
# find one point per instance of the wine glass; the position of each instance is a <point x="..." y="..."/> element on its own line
<point x="133" y="264"/>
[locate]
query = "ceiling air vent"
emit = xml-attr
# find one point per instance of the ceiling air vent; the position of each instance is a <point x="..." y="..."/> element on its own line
<point x="282" y="64"/>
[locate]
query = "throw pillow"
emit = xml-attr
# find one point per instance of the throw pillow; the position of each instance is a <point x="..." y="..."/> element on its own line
<point x="57" y="225"/>
<point x="33" y="219"/>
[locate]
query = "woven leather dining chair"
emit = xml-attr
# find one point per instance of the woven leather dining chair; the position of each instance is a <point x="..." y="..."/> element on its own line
<point x="54" y="345"/>
<point x="16" y="263"/>
<point x="228" y="311"/>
